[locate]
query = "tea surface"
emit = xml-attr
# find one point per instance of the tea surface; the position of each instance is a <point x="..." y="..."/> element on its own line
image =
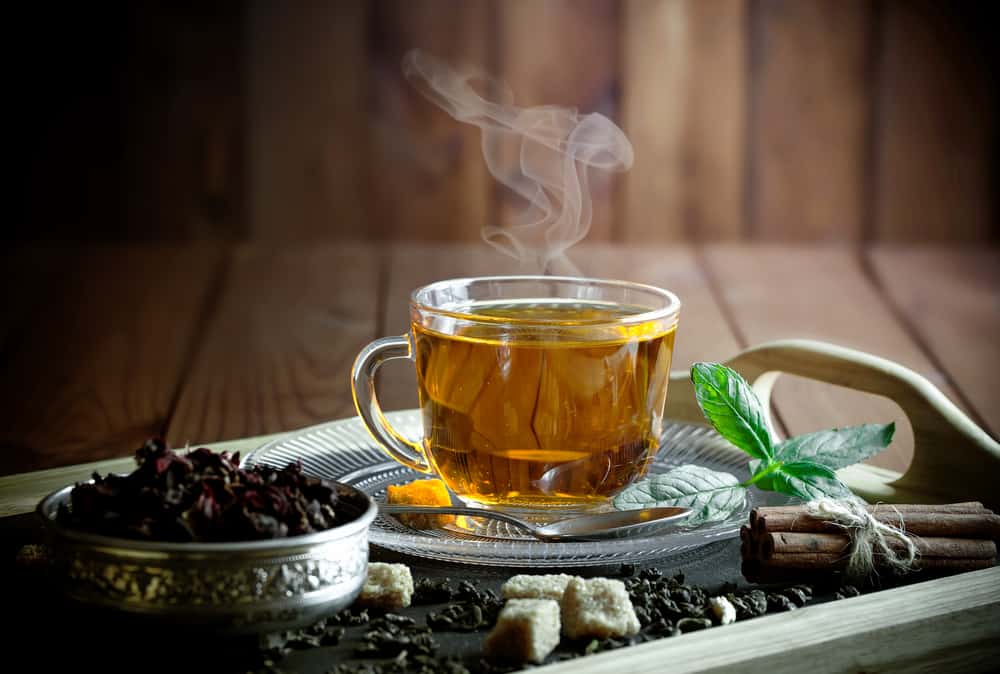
<point x="526" y="415"/>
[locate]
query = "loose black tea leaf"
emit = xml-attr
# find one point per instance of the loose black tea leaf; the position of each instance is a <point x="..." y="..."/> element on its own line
<point x="332" y="636"/>
<point x="428" y="591"/>
<point x="468" y="591"/>
<point x="392" y="634"/>
<point x="395" y="644"/>
<point x="465" y="617"/>
<point x="202" y="496"/>
<point x="304" y="641"/>
<point x="779" y="602"/>
<point x="398" y="620"/>
<point x="488" y="602"/>
<point x="350" y="617"/>
<point x="756" y="602"/>
<point x="686" y="625"/>
<point x="658" y="629"/>
<point x="800" y="595"/>
<point x="277" y="645"/>
<point x="661" y="601"/>
<point x="847" y="591"/>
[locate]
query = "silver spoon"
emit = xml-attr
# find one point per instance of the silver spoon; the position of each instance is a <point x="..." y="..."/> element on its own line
<point x="615" y="524"/>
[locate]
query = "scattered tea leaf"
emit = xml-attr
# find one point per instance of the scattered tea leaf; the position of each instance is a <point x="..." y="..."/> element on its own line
<point x="391" y="635"/>
<point x="800" y="595"/>
<point x="693" y="624"/>
<point x="846" y="592"/>
<point x="430" y="591"/>
<point x="395" y="644"/>
<point x="777" y="603"/>
<point x="465" y="617"/>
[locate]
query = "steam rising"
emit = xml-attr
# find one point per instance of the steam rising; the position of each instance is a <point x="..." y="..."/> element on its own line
<point x="558" y="147"/>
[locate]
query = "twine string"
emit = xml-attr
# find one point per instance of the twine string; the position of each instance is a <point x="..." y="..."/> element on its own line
<point x="869" y="537"/>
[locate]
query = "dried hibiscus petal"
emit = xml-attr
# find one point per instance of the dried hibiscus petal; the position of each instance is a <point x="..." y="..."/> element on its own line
<point x="202" y="496"/>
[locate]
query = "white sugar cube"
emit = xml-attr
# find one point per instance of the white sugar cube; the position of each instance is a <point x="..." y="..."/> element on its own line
<point x="723" y="609"/>
<point x="536" y="587"/>
<point x="526" y="631"/>
<point x="599" y="608"/>
<point x="388" y="586"/>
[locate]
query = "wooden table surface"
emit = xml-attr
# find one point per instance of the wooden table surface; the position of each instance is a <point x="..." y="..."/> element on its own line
<point x="106" y="345"/>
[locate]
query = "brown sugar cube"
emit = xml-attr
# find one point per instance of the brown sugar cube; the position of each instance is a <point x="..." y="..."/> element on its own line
<point x="527" y="630"/>
<point x="388" y="586"/>
<point x="524" y="586"/>
<point x="599" y="608"/>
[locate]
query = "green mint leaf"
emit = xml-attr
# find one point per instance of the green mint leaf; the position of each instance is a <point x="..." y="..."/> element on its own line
<point x="711" y="495"/>
<point x="732" y="407"/>
<point x="808" y="480"/>
<point x="766" y="482"/>
<point x="838" y="447"/>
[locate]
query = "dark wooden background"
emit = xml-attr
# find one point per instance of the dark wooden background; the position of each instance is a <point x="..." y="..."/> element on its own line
<point x="790" y="120"/>
<point x="217" y="204"/>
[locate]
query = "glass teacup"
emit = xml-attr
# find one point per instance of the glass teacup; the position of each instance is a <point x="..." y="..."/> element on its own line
<point x="537" y="392"/>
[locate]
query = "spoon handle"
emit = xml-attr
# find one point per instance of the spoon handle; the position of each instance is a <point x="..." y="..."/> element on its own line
<point x="394" y="509"/>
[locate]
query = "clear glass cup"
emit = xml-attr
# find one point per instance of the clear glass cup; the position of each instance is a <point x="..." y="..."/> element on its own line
<point x="537" y="393"/>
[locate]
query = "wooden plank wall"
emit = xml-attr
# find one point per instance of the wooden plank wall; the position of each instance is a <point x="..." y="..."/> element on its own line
<point x="777" y="120"/>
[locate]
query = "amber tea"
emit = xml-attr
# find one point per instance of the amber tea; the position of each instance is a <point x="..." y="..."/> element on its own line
<point x="537" y="392"/>
<point x="535" y="417"/>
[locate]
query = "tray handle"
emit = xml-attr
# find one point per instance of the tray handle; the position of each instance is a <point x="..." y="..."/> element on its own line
<point x="953" y="458"/>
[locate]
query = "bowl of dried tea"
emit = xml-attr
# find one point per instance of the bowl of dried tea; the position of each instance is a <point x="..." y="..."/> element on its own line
<point x="194" y="539"/>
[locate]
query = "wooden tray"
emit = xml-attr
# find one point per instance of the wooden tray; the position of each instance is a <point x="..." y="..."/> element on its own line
<point x="951" y="623"/>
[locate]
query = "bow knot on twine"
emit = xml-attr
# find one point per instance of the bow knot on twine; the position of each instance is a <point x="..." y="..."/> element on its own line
<point x="869" y="537"/>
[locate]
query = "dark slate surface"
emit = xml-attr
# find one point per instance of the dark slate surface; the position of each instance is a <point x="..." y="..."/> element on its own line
<point x="52" y="634"/>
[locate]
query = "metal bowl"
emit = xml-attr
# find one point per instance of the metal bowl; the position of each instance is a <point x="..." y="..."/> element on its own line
<point x="235" y="588"/>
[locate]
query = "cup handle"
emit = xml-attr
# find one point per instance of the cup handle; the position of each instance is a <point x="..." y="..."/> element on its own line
<point x="406" y="452"/>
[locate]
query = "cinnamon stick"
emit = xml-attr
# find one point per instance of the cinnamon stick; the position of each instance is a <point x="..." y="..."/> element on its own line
<point x="747" y="543"/>
<point x="935" y="564"/>
<point x="784" y="543"/>
<point x="820" y="561"/>
<point x="902" y="508"/>
<point x="983" y="525"/>
<point x="756" y="571"/>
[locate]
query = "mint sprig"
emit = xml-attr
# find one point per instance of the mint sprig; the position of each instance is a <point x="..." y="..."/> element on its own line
<point x="801" y="466"/>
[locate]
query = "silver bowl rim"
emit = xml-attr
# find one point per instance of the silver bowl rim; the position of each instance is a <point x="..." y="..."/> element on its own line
<point x="50" y="503"/>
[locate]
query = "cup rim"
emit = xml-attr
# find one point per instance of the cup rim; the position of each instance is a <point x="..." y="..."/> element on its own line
<point x="671" y="309"/>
